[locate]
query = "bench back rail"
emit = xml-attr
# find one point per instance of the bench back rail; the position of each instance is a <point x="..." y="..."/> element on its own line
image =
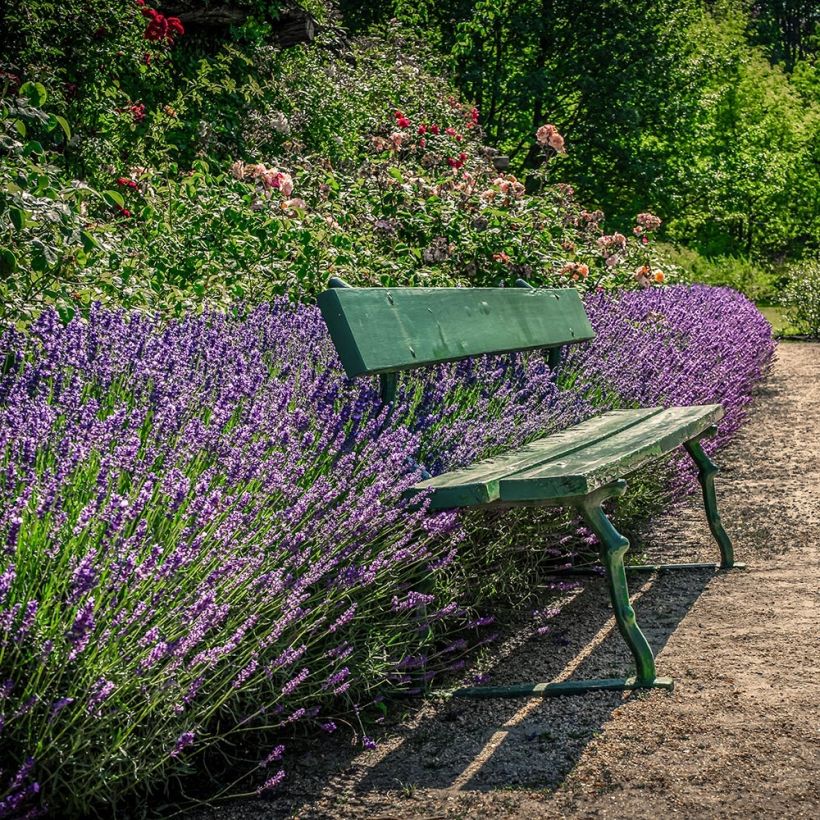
<point x="381" y="331"/>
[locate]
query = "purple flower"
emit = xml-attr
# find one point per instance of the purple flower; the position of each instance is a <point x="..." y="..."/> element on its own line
<point x="411" y="601"/>
<point x="185" y="740"/>
<point x="6" y="579"/>
<point x="337" y="678"/>
<point x="272" y="782"/>
<point x="60" y="704"/>
<point x="293" y="684"/>
<point x="275" y="754"/>
<point x="101" y="690"/>
<point x="343" y="619"/>
<point x="81" y="629"/>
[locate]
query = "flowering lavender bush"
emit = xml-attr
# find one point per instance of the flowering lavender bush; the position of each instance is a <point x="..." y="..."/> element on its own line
<point x="202" y="526"/>
<point x="203" y="531"/>
<point x="676" y="346"/>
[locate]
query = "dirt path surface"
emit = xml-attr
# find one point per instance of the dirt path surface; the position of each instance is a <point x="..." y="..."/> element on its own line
<point x="739" y="736"/>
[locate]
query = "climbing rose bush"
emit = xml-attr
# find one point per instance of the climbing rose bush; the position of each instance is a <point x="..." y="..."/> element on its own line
<point x="203" y="531"/>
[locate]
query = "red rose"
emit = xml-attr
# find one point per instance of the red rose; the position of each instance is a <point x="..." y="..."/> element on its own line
<point x="137" y="112"/>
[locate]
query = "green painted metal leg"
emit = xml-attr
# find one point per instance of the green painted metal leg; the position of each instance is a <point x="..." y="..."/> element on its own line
<point x="613" y="547"/>
<point x="706" y="476"/>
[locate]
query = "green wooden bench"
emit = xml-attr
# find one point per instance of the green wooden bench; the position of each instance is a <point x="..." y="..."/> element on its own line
<point x="382" y="331"/>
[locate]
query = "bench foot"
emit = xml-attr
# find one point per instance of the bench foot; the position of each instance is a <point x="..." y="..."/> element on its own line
<point x="595" y="569"/>
<point x="570" y="687"/>
<point x="707" y="470"/>
<point x="613" y="548"/>
<point x="671" y="567"/>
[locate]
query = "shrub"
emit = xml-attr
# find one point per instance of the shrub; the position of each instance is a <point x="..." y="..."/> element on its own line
<point x="184" y="240"/>
<point x="801" y="297"/>
<point x="204" y="535"/>
<point x="203" y="527"/>
<point x="759" y="282"/>
<point x="678" y="346"/>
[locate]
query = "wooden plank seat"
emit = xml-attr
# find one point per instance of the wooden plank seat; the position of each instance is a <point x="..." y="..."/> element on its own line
<point x="381" y="331"/>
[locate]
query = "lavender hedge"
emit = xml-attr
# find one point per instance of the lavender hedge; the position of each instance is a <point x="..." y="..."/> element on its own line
<point x="677" y="346"/>
<point x="203" y="533"/>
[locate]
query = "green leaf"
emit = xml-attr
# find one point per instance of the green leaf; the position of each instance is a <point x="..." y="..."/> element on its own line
<point x="8" y="262"/>
<point x="89" y="241"/>
<point x="20" y="127"/>
<point x="66" y="313"/>
<point x="395" y="173"/>
<point x="35" y="93"/>
<point x="114" y="198"/>
<point x="42" y="255"/>
<point x="18" y="218"/>
<point x="32" y="147"/>
<point x="63" y="123"/>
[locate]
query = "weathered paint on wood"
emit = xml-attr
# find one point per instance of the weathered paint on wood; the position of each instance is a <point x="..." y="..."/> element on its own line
<point x="586" y="469"/>
<point x="479" y="483"/>
<point x="382" y="330"/>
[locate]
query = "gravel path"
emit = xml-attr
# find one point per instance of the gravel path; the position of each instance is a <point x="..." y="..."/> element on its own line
<point x="737" y="738"/>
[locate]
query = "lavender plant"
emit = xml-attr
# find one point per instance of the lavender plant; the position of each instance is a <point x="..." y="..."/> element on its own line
<point x="203" y="533"/>
<point x="676" y="346"/>
<point x="203" y="528"/>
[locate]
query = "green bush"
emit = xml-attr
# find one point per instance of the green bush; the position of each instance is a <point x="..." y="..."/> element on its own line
<point x="801" y="297"/>
<point x="46" y="241"/>
<point x="761" y="283"/>
<point x="422" y="204"/>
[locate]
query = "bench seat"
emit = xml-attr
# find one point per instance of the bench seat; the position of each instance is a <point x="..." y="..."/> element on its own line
<point x="572" y="462"/>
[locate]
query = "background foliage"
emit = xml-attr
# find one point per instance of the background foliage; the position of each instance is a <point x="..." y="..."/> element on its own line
<point x="179" y="456"/>
<point x="704" y="112"/>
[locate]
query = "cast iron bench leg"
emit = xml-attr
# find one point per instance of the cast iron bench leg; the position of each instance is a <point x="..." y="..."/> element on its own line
<point x="706" y="476"/>
<point x="613" y="547"/>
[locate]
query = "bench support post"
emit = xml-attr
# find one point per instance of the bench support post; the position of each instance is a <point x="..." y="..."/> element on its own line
<point x="613" y="548"/>
<point x="706" y="476"/>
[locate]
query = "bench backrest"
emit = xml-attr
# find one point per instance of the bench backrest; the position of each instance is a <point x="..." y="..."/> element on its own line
<point x="385" y="330"/>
